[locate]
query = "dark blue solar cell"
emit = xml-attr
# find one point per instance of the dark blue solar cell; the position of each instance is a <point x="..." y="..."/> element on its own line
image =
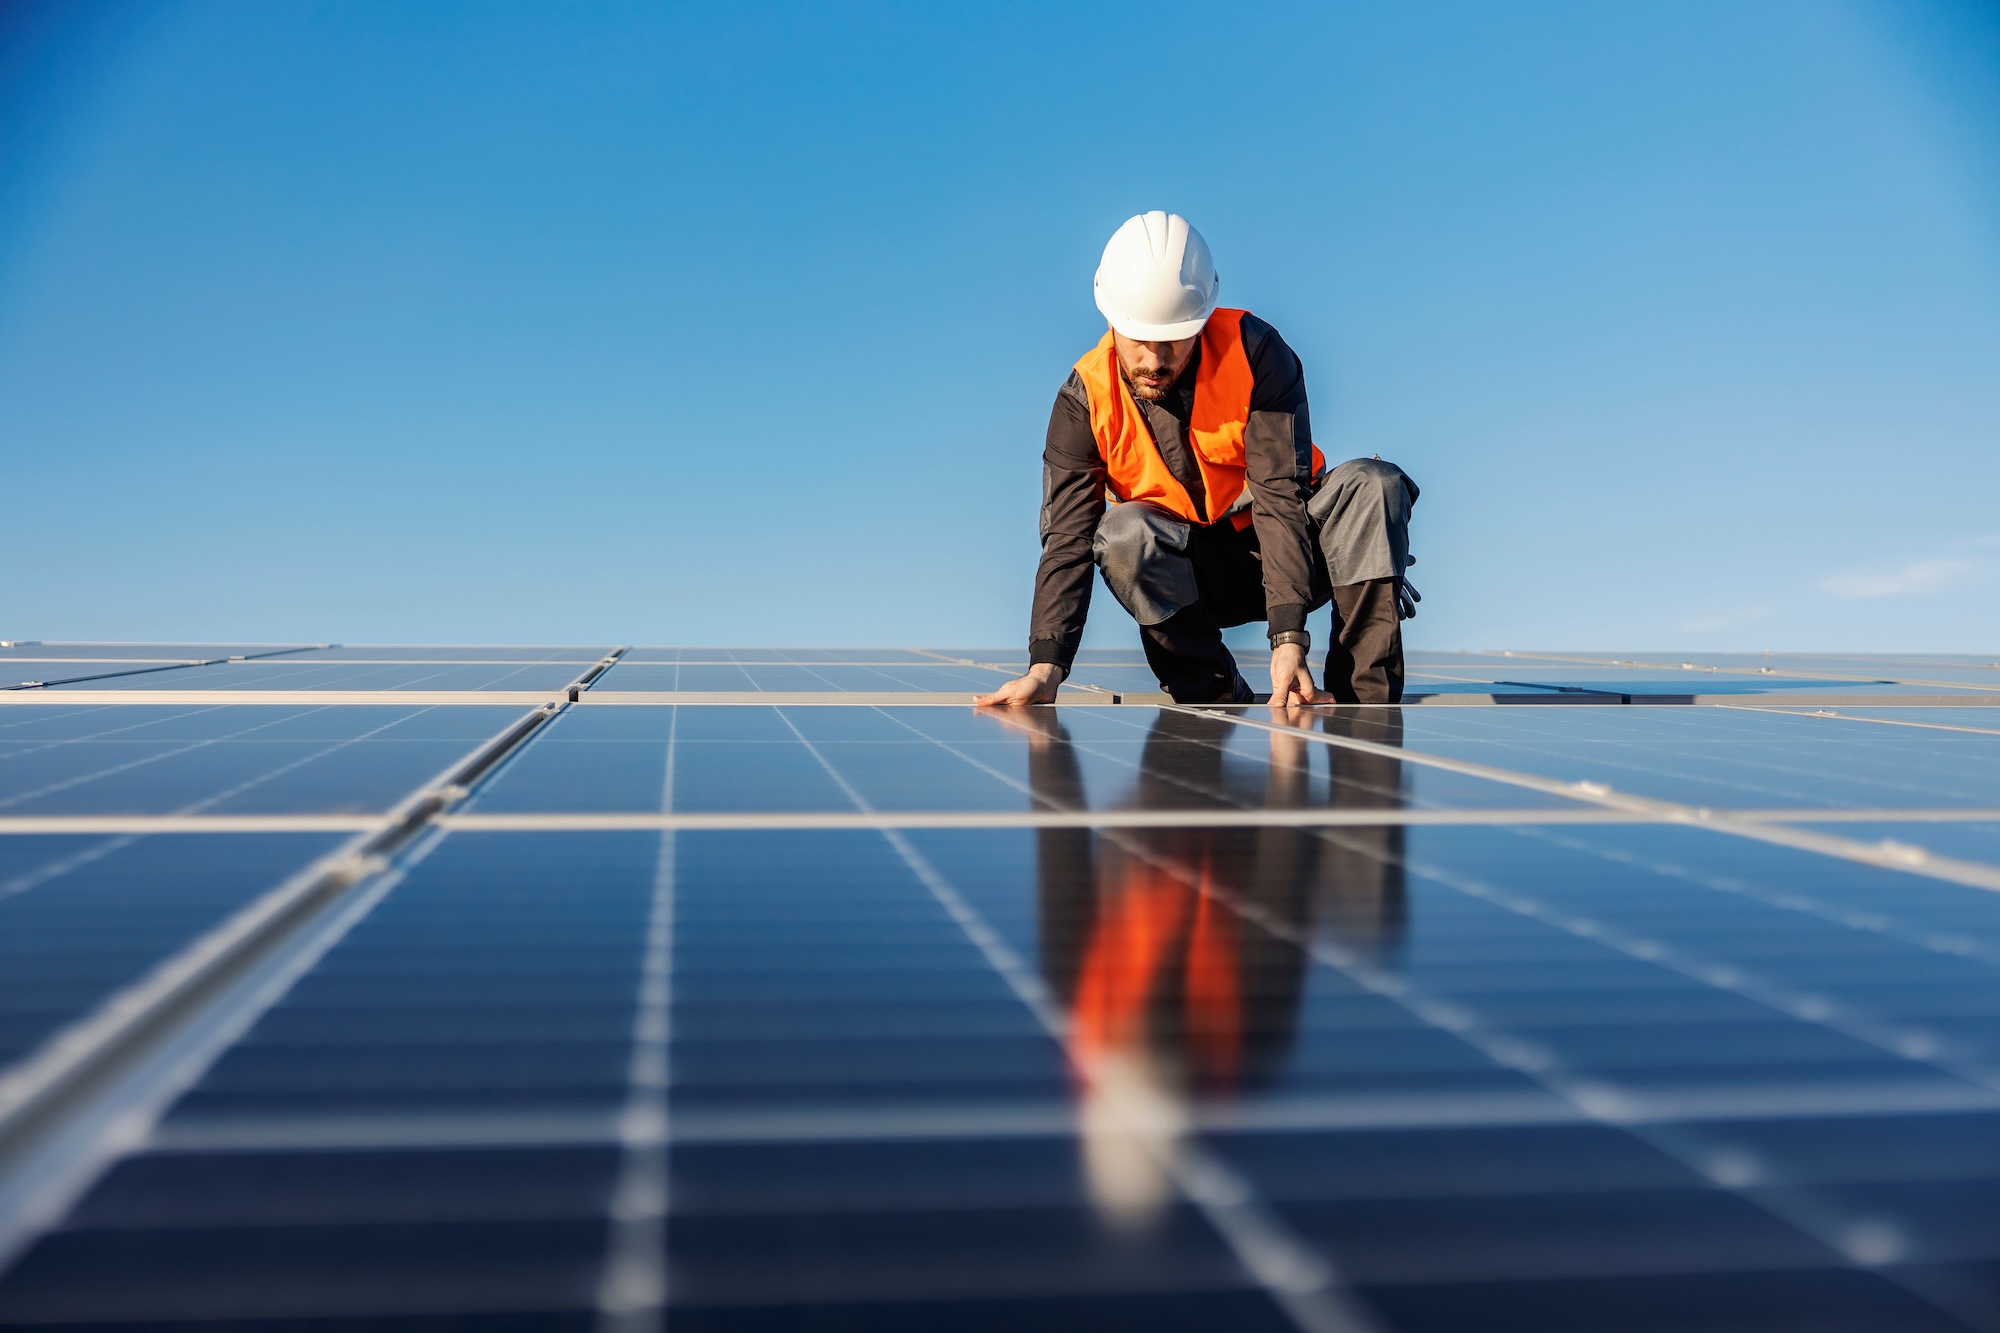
<point x="853" y="1256"/>
<point x="115" y="653"/>
<point x="238" y="759"/>
<point x="781" y="656"/>
<point x="1449" y="1162"/>
<point x="483" y="1271"/>
<point x="1801" y="1300"/>
<point x="755" y="914"/>
<point x="181" y="1189"/>
<point x="990" y="1219"/>
<point x="1175" y="1311"/>
<point x="481" y="654"/>
<point x="815" y="678"/>
<point x="306" y="673"/>
<point x="81" y="918"/>
<point x="1547" y="1234"/>
<point x="421" y="1006"/>
<point x="1720" y="758"/>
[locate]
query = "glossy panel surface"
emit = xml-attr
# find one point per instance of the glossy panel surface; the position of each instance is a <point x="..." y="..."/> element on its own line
<point x="1964" y="670"/>
<point x="477" y="653"/>
<point x="1981" y="720"/>
<point x="830" y="758"/>
<point x="808" y="656"/>
<point x="82" y="917"/>
<point x="810" y="677"/>
<point x="1744" y="758"/>
<point x="141" y="653"/>
<point x="1648" y="687"/>
<point x="480" y="1239"/>
<point x="500" y="975"/>
<point x="1552" y="1070"/>
<point x="304" y="674"/>
<point x="234" y="759"/>
<point x="1547" y="1077"/>
<point x="1963" y="840"/>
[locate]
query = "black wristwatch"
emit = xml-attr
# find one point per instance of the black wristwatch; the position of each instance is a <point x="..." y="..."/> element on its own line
<point x="1298" y="636"/>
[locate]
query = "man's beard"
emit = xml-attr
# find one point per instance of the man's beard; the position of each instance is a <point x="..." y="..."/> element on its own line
<point x="1151" y="393"/>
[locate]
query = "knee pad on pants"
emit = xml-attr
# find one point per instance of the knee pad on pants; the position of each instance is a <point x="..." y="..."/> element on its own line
<point x="1141" y="550"/>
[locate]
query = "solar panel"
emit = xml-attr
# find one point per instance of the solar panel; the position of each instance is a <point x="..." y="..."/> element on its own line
<point x="247" y="759"/>
<point x="483" y="655"/>
<point x="82" y="917"/>
<point x="792" y="656"/>
<point x="843" y="1009"/>
<point x="142" y="653"/>
<point x="830" y="677"/>
<point x="305" y="674"/>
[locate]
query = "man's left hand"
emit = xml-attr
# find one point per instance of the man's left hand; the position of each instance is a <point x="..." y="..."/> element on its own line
<point x="1291" y="683"/>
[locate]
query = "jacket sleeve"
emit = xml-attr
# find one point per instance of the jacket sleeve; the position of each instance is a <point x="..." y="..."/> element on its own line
<point x="1277" y="446"/>
<point x="1072" y="504"/>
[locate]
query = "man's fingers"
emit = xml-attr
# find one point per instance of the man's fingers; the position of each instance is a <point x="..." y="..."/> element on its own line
<point x="1297" y="686"/>
<point x="1026" y="690"/>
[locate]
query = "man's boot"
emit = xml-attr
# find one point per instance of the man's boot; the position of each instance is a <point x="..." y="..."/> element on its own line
<point x="1190" y="660"/>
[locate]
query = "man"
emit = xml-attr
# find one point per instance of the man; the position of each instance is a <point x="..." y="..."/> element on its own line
<point x="1193" y="419"/>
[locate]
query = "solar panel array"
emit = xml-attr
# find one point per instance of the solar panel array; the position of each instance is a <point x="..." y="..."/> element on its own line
<point x="535" y="988"/>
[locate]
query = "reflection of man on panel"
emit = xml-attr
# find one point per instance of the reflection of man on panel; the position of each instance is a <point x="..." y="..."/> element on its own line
<point x="1193" y="419"/>
<point x="1177" y="951"/>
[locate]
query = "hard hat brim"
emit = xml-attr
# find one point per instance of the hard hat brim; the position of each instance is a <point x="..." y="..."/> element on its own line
<point x="1140" y="331"/>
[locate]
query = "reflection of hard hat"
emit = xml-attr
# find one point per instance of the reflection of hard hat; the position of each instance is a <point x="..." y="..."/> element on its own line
<point x="1156" y="282"/>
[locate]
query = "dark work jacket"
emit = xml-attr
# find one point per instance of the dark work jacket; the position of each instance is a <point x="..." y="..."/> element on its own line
<point x="1277" y="446"/>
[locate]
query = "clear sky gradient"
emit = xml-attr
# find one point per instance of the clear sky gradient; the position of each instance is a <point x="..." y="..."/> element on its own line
<point x="657" y="323"/>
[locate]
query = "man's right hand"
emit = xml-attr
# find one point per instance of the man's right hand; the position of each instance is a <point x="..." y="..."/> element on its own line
<point x="1037" y="687"/>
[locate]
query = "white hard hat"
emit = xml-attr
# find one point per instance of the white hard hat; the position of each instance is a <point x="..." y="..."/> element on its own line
<point x="1156" y="282"/>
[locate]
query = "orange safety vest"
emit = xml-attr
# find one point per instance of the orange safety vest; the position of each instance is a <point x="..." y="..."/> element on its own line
<point x="1222" y="384"/>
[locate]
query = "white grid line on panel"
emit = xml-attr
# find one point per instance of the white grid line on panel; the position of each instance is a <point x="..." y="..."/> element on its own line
<point x="632" y="1291"/>
<point x="1878" y="721"/>
<point x="1357" y="1113"/>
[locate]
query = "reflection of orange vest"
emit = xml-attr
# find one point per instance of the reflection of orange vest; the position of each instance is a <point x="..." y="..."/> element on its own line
<point x="1143" y="936"/>
<point x="1222" y="385"/>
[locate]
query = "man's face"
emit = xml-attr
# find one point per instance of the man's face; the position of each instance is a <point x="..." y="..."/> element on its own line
<point x="1152" y="368"/>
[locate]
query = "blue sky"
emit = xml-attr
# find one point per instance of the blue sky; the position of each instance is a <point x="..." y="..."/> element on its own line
<point x="662" y="323"/>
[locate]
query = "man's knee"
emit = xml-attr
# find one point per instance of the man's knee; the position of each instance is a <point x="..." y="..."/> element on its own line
<point x="1365" y="476"/>
<point x="1361" y="515"/>
<point x="1125" y="535"/>
<point x="1142" y="553"/>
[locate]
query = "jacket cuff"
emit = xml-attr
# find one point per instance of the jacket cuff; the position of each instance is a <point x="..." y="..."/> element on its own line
<point x="1283" y="618"/>
<point x="1052" y="651"/>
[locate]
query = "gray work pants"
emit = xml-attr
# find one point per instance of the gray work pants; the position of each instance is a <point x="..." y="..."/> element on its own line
<point x="1360" y="517"/>
<point x="1184" y="583"/>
